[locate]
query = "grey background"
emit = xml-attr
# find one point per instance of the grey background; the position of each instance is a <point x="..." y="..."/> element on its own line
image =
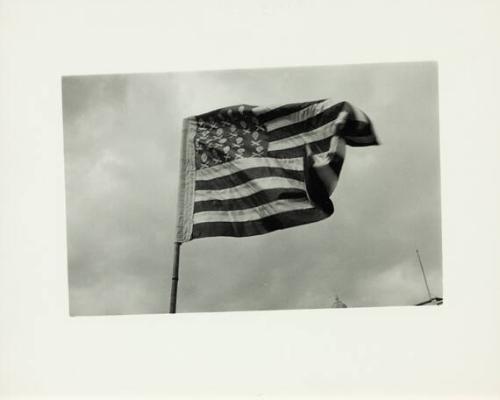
<point x="122" y="145"/>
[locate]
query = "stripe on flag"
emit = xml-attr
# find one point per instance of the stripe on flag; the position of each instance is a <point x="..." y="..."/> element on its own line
<point x="248" y="188"/>
<point x="253" y="200"/>
<point x="254" y="213"/>
<point x="299" y="116"/>
<point x="273" y="112"/>
<point x="248" y="163"/>
<point x="272" y="223"/>
<point x="314" y="135"/>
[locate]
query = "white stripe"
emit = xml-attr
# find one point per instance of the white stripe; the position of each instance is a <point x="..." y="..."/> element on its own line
<point x="323" y="132"/>
<point x="217" y="171"/>
<point x="252" y="214"/>
<point x="249" y="188"/>
<point x="337" y="146"/>
<point x="263" y="109"/>
<point x="301" y="115"/>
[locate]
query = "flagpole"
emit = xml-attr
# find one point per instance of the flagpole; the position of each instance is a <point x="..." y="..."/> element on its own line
<point x="175" y="278"/>
<point x="423" y="273"/>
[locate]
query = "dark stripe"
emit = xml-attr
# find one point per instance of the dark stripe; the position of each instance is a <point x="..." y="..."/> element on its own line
<point x="315" y="187"/>
<point x="253" y="200"/>
<point x="317" y="147"/>
<point x="250" y="228"/>
<point x="285" y="110"/>
<point x="307" y="125"/>
<point x="336" y="164"/>
<point x="246" y="175"/>
<point x="359" y="134"/>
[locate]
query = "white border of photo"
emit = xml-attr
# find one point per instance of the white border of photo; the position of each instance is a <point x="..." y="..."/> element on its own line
<point x="451" y="351"/>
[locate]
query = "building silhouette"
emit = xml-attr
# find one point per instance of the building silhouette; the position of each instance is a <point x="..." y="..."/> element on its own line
<point x="338" y="303"/>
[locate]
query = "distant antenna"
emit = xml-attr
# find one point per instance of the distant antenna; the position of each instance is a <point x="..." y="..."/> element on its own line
<point x="423" y="274"/>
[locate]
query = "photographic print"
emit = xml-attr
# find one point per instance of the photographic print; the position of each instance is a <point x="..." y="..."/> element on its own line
<point x="247" y="190"/>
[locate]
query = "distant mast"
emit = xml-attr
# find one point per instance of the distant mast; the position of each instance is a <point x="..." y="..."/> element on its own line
<point x="424" y="276"/>
<point x="432" y="300"/>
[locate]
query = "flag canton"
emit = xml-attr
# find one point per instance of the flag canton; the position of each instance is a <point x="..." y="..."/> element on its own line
<point x="228" y="134"/>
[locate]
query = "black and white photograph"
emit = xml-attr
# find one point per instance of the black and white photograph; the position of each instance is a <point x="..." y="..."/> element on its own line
<point x="267" y="199"/>
<point x="310" y="187"/>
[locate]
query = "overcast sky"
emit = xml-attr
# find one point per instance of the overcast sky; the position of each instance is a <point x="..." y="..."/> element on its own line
<point x="122" y="145"/>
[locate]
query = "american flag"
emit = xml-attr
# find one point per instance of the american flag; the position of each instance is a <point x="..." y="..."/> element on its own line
<point x="249" y="170"/>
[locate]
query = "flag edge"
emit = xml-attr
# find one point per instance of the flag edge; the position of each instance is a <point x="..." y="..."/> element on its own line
<point x="185" y="201"/>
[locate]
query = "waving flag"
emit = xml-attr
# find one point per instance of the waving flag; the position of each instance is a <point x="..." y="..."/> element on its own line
<point x="248" y="170"/>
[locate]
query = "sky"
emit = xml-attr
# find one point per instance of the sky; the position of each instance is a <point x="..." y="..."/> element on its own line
<point x="122" y="136"/>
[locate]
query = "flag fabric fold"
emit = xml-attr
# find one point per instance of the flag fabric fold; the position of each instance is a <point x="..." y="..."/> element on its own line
<point x="248" y="170"/>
